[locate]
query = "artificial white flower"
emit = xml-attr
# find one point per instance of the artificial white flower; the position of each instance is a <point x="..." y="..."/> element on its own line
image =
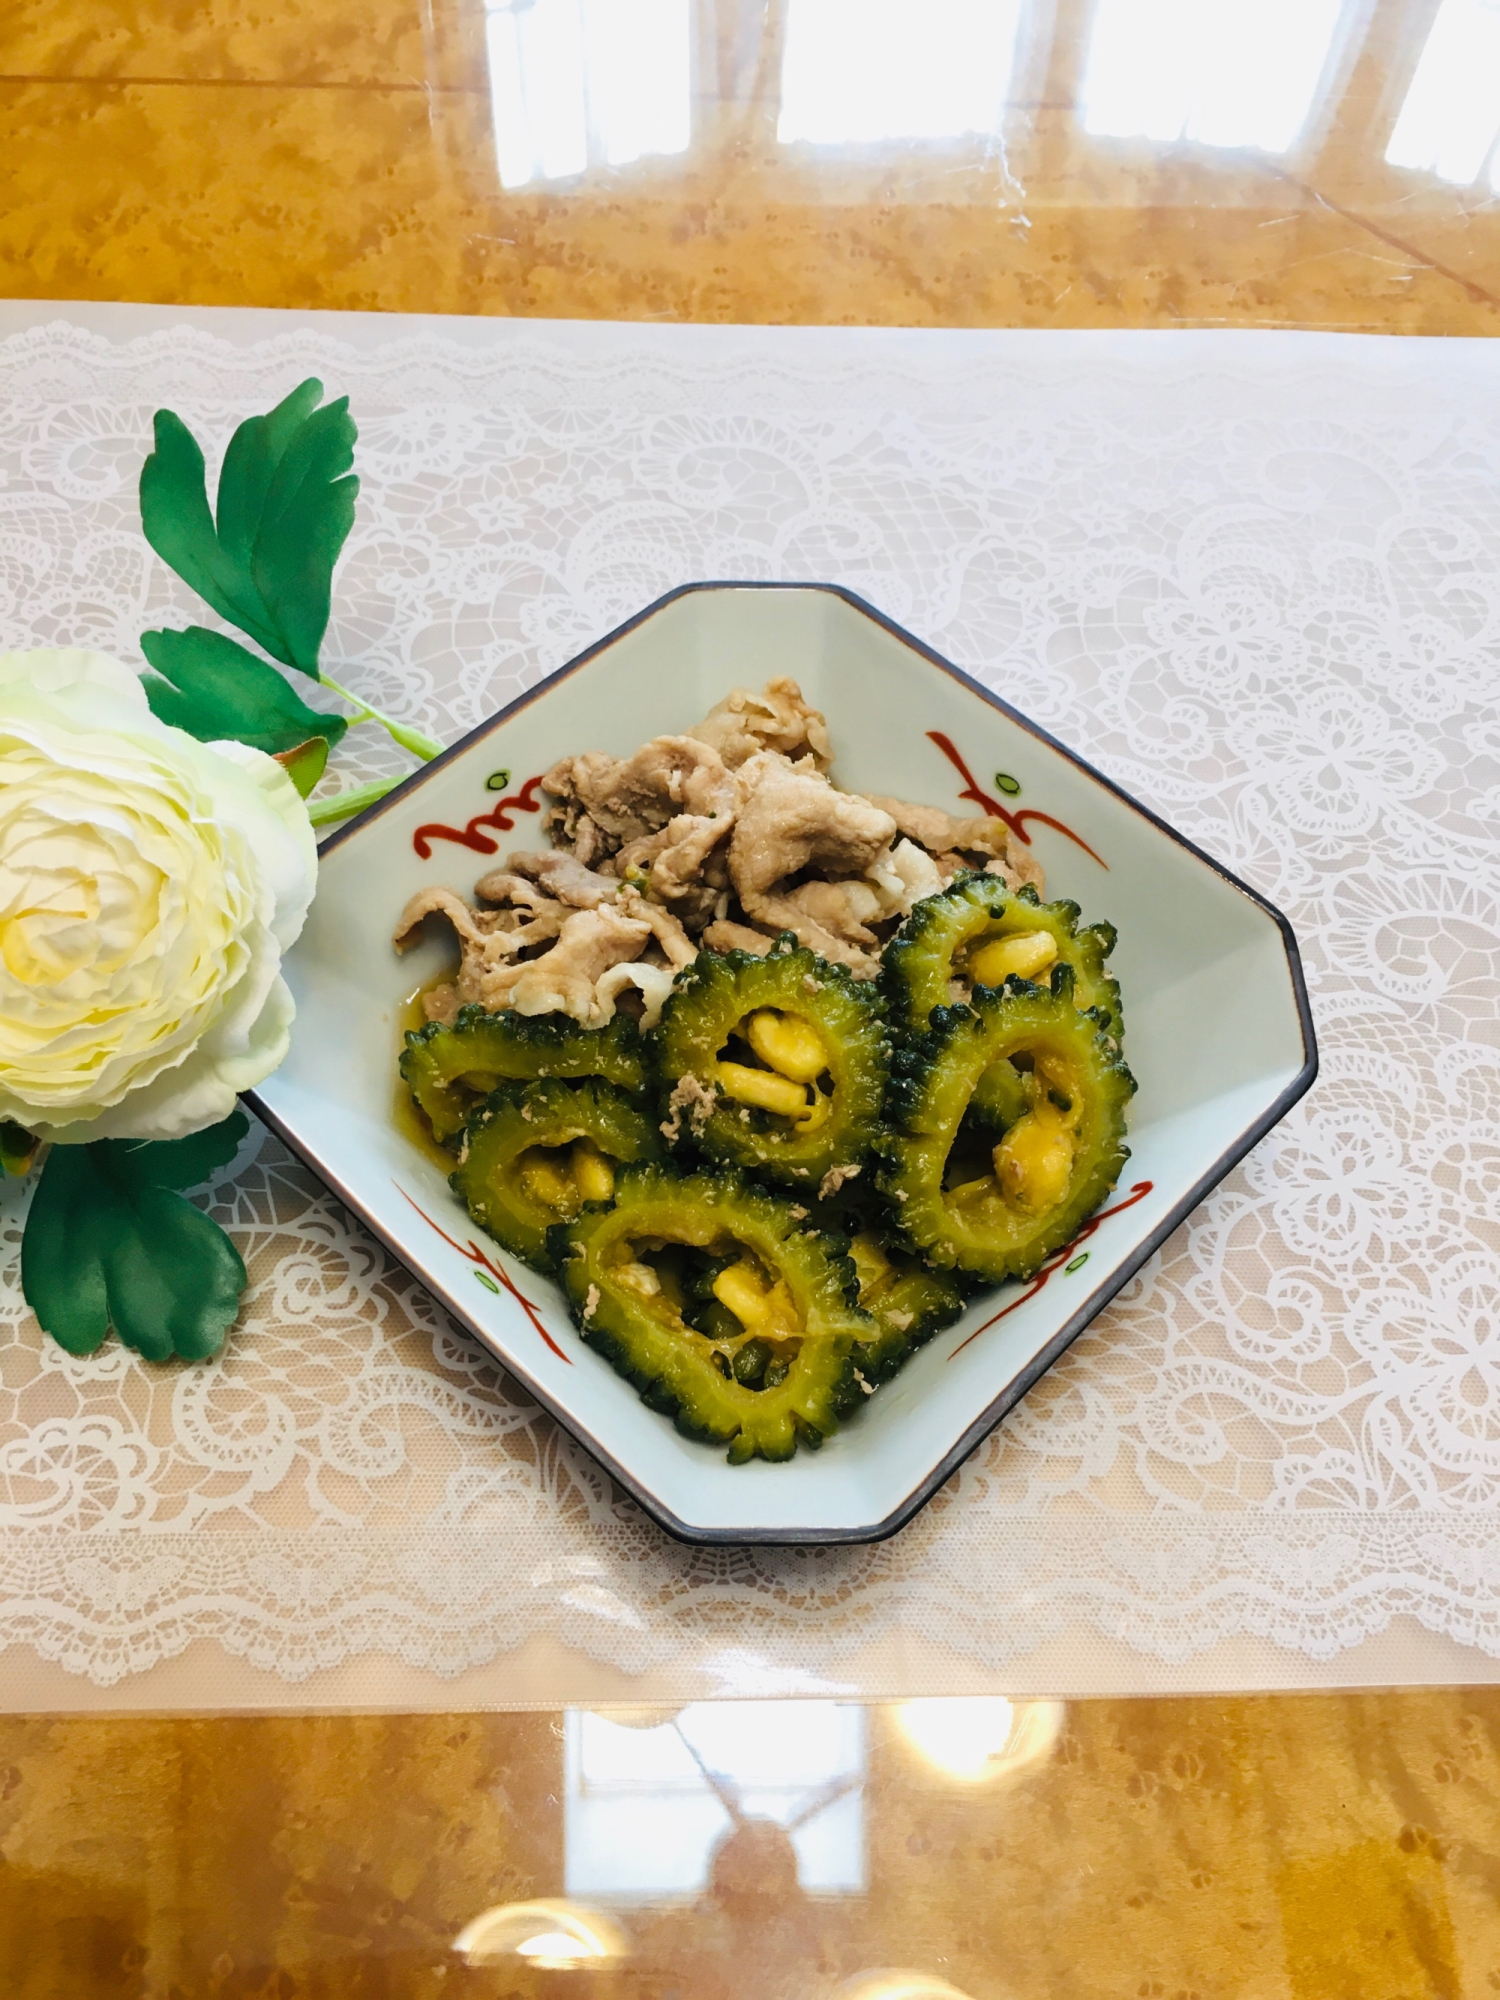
<point x="149" y="885"/>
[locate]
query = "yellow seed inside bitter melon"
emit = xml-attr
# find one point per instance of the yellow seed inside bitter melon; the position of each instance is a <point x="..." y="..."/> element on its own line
<point x="814" y="1104"/>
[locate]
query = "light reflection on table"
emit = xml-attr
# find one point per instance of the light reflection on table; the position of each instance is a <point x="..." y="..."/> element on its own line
<point x="1275" y="1848"/>
<point x="578" y="83"/>
<point x="965" y="162"/>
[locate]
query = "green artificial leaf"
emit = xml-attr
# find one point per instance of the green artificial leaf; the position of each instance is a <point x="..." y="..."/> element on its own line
<point x="213" y="688"/>
<point x="305" y="763"/>
<point x="250" y="463"/>
<point x="178" y="525"/>
<point x="182" y="1163"/>
<point x="108" y="1243"/>
<point x="304" y="524"/>
<point x="285" y="507"/>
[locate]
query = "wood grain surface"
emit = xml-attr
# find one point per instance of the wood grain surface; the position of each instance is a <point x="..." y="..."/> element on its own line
<point x="1277" y="1848"/>
<point x="340" y="154"/>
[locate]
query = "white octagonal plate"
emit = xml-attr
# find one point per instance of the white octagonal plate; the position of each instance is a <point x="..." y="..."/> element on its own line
<point x="1217" y="1030"/>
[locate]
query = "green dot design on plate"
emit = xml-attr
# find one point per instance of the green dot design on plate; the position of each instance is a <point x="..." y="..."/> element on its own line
<point x="1077" y="1264"/>
<point x="488" y="1282"/>
<point x="498" y="780"/>
<point x="1004" y="782"/>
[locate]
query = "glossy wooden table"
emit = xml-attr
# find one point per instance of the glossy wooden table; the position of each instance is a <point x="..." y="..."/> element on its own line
<point x="342" y="154"/>
<point x="1284" y="1848"/>
<point x="312" y="154"/>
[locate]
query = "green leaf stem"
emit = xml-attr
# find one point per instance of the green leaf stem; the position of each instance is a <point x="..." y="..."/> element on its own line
<point x="410" y="739"/>
<point x="109" y="1243"/>
<point x="213" y="688"/>
<point x="344" y="805"/>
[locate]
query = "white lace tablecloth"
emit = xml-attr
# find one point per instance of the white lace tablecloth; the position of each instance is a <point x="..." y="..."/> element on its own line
<point x="1256" y="578"/>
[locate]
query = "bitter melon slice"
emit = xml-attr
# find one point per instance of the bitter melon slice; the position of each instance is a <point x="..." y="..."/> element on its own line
<point x="907" y="1299"/>
<point x="776" y="1065"/>
<point x="535" y="1153"/>
<point x="773" y="1365"/>
<point x="449" y="1068"/>
<point x="979" y="933"/>
<point x="1002" y="1212"/>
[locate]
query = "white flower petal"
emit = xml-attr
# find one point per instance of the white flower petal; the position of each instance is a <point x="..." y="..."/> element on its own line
<point x="53" y="670"/>
<point x="148" y="885"/>
<point x="292" y="869"/>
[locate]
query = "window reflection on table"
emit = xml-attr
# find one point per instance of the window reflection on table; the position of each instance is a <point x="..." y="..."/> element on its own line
<point x="581" y="85"/>
<point x="1123" y="163"/>
<point x="1450" y="120"/>
<point x="723" y="1849"/>
<point x="650" y="1802"/>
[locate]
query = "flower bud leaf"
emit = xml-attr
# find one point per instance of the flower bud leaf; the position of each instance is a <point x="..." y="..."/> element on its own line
<point x="213" y="688"/>
<point x="285" y="508"/>
<point x="305" y="763"/>
<point x="329" y="810"/>
<point x="18" y="1148"/>
<point x="108" y="1243"/>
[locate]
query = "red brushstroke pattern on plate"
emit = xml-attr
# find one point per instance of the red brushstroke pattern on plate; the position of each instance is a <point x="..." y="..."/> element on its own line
<point x="1059" y="1259"/>
<point x="498" y="816"/>
<point x="480" y="1261"/>
<point x="1015" y="821"/>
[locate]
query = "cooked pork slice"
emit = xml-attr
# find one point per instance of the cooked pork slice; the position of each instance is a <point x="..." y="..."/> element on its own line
<point x="904" y="877"/>
<point x="929" y="826"/>
<point x="945" y="835"/>
<point x="677" y="947"/>
<point x="895" y="880"/>
<point x="777" y="718"/>
<point x="563" y="980"/>
<point x="504" y="886"/>
<point x="563" y="876"/>
<point x="1000" y="853"/>
<point x="683" y="864"/>
<point x="652" y="982"/>
<point x="490" y="971"/>
<point x="627" y="797"/>
<point x="726" y="936"/>
<point x="790" y="820"/>
<point x="473" y="926"/>
<point x="440" y="1003"/>
<point x="844" y="910"/>
<point x="492" y="942"/>
<point x="568" y="826"/>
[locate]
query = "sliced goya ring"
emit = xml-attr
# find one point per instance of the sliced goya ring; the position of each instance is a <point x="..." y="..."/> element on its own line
<point x="449" y="1068"/>
<point x="980" y="933"/>
<point x="535" y="1153"/>
<point x="773" y="1367"/>
<point x="999" y="1211"/>
<point x="907" y="1299"/>
<point x="777" y="1065"/>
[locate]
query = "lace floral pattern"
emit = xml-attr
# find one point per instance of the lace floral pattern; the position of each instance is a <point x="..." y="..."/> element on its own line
<point x="1258" y="584"/>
